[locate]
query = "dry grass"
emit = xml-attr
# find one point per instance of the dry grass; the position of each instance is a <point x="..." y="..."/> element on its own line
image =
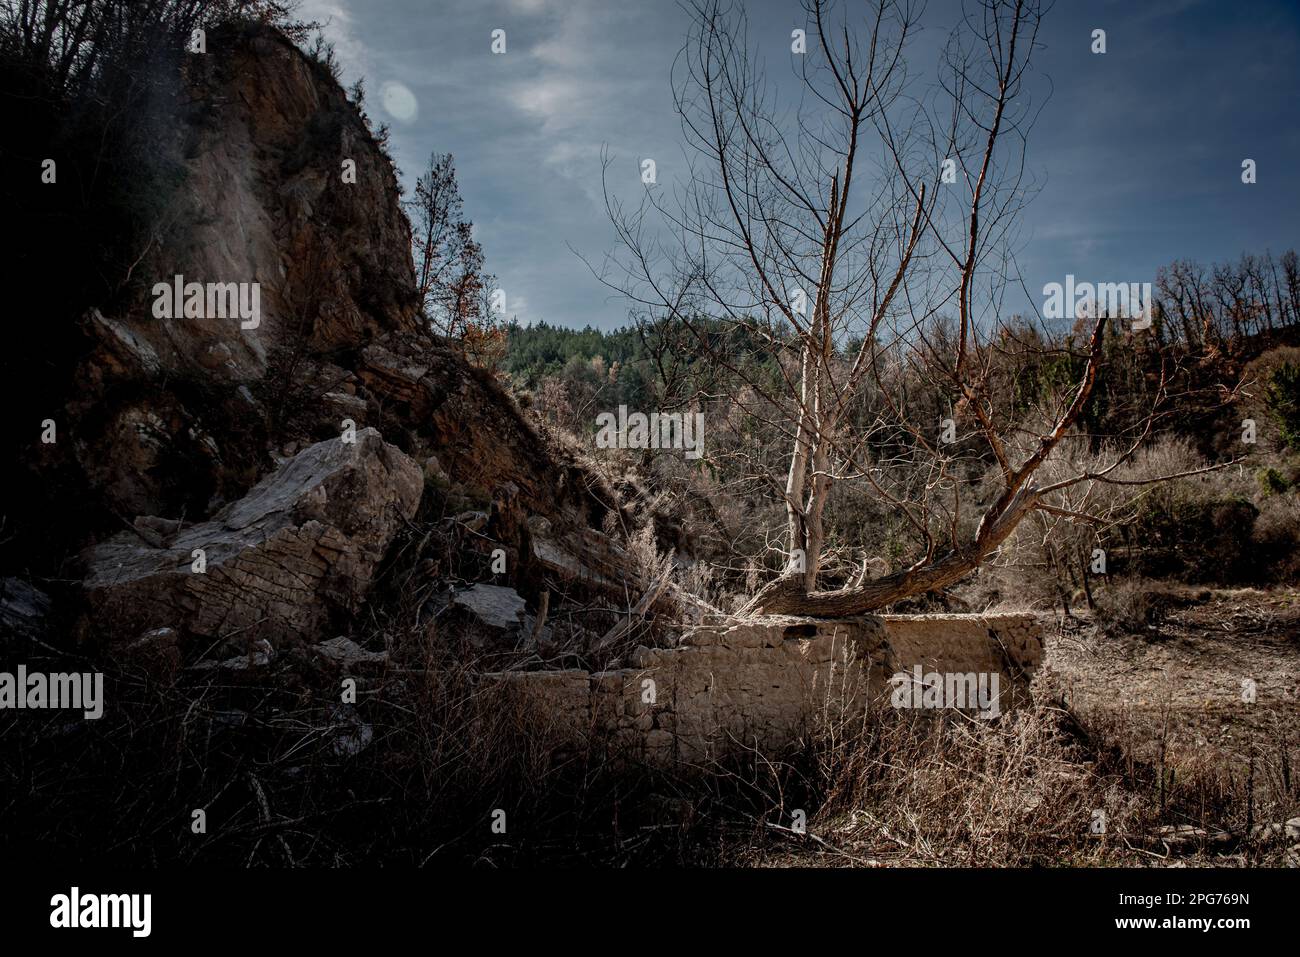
<point x="1034" y="788"/>
<point x="411" y="775"/>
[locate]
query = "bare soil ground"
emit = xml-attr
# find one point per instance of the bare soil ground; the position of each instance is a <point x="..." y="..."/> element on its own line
<point x="1150" y="728"/>
<point x="1185" y="681"/>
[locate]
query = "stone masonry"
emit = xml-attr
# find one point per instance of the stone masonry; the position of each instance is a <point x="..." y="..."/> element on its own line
<point x="766" y="682"/>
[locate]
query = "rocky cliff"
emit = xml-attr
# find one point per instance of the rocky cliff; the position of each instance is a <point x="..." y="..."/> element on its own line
<point x="246" y="473"/>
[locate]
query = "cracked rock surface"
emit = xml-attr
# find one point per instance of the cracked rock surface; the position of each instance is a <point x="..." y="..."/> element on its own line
<point x="298" y="549"/>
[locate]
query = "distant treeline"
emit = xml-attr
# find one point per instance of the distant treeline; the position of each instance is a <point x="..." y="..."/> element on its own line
<point x="534" y="352"/>
<point x="1224" y="302"/>
<point x="664" y="362"/>
<point x="1195" y="305"/>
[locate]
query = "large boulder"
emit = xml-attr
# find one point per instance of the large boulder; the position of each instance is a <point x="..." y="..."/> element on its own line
<point x="280" y="563"/>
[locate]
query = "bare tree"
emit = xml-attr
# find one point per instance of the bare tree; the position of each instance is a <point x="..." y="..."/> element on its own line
<point x="864" y="235"/>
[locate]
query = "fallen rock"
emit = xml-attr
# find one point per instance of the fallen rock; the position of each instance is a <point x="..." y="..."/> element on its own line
<point x="494" y="606"/>
<point x="348" y="653"/>
<point x="604" y="567"/>
<point x="351" y="734"/>
<point x="247" y="662"/>
<point x="23" y="611"/>
<point x="344" y="404"/>
<point x="495" y="615"/>
<point x="279" y="563"/>
<point x="156" y="652"/>
<point x="1176" y="835"/>
<point x="1276" y="831"/>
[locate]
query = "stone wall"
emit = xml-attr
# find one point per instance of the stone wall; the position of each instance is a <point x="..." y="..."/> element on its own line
<point x="764" y="683"/>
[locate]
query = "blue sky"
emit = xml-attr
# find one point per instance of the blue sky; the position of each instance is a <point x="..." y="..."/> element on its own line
<point x="1138" y="151"/>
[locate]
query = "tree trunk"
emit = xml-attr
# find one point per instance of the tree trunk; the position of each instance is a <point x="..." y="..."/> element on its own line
<point x="787" y="595"/>
<point x="797" y="476"/>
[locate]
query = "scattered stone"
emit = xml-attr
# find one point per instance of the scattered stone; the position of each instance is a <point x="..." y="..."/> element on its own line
<point x="23" y="612"/>
<point x="156" y="652"/>
<point x="474" y="521"/>
<point x="1180" y="833"/>
<point x="495" y="606"/>
<point x="346" y="404"/>
<point x="258" y="659"/>
<point x="497" y="615"/>
<point x="348" y="653"/>
<point x="1273" y="831"/>
<point x="433" y="471"/>
<point x="300" y="547"/>
<point x="351" y="734"/>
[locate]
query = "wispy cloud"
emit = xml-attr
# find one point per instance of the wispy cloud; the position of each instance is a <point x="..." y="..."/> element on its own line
<point x="1137" y="147"/>
<point x="338" y="27"/>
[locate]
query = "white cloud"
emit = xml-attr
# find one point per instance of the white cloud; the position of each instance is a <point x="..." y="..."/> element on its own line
<point x="340" y="29"/>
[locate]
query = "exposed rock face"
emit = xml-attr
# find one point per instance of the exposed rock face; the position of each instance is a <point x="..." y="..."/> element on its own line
<point x="171" y="420"/>
<point x="180" y="416"/>
<point x="265" y="201"/>
<point x="441" y="406"/>
<point x="767" y="682"/>
<point x="169" y="414"/>
<point x="300" y="547"/>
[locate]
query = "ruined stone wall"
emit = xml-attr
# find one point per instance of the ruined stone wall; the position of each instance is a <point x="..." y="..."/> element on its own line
<point x="764" y="683"/>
